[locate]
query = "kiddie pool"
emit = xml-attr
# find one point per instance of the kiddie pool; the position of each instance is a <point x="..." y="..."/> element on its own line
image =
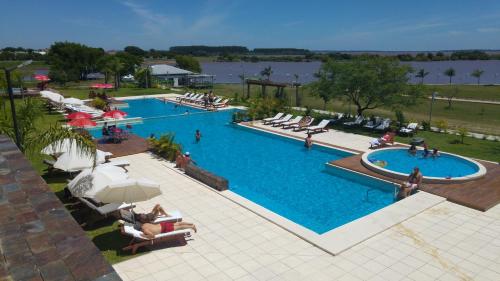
<point x="398" y="163"/>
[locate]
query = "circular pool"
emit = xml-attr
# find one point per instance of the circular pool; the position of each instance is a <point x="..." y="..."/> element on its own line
<point x="398" y="163"/>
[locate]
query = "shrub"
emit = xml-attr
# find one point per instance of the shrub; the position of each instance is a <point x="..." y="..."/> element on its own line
<point x="308" y="111"/>
<point x="400" y="117"/>
<point x="264" y="107"/>
<point x="99" y="103"/>
<point x="426" y="126"/>
<point x="462" y="132"/>
<point x="442" y="125"/>
<point x="165" y="146"/>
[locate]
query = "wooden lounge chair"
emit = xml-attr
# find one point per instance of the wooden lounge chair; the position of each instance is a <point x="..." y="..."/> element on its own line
<point x="294" y="121"/>
<point x="302" y="125"/>
<point x="221" y="104"/>
<point x="271" y="119"/>
<point x="384" y="125"/>
<point x="183" y="96"/>
<point x="139" y="241"/>
<point x="356" y="122"/>
<point x="104" y="210"/>
<point x="409" y="130"/>
<point x="318" y="128"/>
<point x="174" y="216"/>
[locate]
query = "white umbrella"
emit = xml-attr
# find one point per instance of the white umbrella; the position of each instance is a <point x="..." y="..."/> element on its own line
<point x="130" y="190"/>
<point x="52" y="96"/>
<point x="75" y="160"/>
<point x="59" y="147"/>
<point x="73" y="101"/>
<point x="89" y="181"/>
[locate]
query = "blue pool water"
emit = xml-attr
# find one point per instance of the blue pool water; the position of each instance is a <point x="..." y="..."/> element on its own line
<point x="275" y="172"/>
<point x="444" y="166"/>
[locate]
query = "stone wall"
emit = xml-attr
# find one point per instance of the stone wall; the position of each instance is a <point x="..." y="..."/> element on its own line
<point x="39" y="239"/>
<point x="219" y="183"/>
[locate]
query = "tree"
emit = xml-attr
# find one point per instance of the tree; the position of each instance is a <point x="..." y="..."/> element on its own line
<point x="267" y="72"/>
<point x="477" y="73"/>
<point x="296" y="84"/>
<point x="143" y="77"/>
<point x="135" y="51"/>
<point x="73" y="59"/>
<point x="188" y="63"/>
<point x="421" y="74"/>
<point x="130" y="62"/>
<point x="368" y="82"/>
<point x="450" y="72"/>
<point x="33" y="138"/>
<point x="450" y="96"/>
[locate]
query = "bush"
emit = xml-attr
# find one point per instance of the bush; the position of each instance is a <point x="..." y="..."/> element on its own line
<point x="264" y="107"/>
<point x="308" y="111"/>
<point x="442" y="125"/>
<point x="165" y="146"/>
<point x="99" y="103"/>
<point x="426" y="126"/>
<point x="400" y="117"/>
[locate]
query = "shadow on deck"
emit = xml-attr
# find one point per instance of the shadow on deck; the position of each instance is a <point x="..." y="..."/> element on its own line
<point x="133" y="145"/>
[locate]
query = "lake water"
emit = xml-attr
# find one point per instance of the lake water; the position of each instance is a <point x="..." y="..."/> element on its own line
<point x="228" y="72"/>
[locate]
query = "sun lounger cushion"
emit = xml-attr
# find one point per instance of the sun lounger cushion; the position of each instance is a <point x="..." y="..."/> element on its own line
<point x="129" y="229"/>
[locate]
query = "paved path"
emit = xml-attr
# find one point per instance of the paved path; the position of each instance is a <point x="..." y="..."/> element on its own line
<point x="445" y="242"/>
<point x="468" y="100"/>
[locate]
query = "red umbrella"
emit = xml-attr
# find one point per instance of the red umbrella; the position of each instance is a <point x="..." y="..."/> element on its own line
<point x="116" y="114"/>
<point x="82" y="123"/>
<point x="79" y="115"/>
<point x="41" y="77"/>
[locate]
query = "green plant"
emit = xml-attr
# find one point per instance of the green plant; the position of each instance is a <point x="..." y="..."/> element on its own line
<point x="400" y="117"/>
<point x="165" y="146"/>
<point x="264" y="107"/>
<point x="442" y="125"/>
<point x="239" y="116"/>
<point x="308" y="111"/>
<point x="99" y="103"/>
<point x="426" y="126"/>
<point x="462" y="132"/>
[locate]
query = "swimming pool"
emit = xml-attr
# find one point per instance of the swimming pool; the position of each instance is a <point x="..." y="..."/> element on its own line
<point x="444" y="167"/>
<point x="275" y="172"/>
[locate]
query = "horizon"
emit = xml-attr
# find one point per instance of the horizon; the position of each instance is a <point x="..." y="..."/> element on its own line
<point x="360" y="26"/>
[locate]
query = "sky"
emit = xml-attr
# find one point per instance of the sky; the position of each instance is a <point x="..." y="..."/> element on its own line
<point x="383" y="25"/>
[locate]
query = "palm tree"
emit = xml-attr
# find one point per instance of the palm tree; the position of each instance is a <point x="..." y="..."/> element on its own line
<point x="267" y="72"/>
<point x="32" y="138"/>
<point x="297" y="97"/>
<point x="116" y="67"/>
<point x="450" y="72"/>
<point x="477" y="73"/>
<point x="421" y="74"/>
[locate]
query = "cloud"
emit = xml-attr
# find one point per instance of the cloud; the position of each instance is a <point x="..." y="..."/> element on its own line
<point x="488" y="29"/>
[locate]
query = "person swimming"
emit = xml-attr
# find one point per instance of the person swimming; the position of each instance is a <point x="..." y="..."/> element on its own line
<point x="435" y="153"/>
<point x="197" y="136"/>
<point x="413" y="149"/>
<point x="308" y="141"/>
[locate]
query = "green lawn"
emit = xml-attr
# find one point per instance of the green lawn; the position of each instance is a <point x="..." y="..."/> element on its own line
<point x="478" y="92"/>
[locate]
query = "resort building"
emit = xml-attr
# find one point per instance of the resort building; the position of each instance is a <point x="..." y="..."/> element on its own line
<point x="177" y="77"/>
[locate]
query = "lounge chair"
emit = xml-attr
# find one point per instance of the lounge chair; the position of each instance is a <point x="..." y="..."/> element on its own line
<point x="302" y="125"/>
<point x="105" y="210"/>
<point x="183" y="96"/>
<point x="384" y="125"/>
<point x="318" y="128"/>
<point x="410" y="129"/>
<point x="221" y="104"/>
<point x="373" y="123"/>
<point x="271" y="119"/>
<point x="188" y="96"/>
<point x="294" y="121"/>
<point x="356" y="122"/>
<point x="175" y="216"/>
<point x="193" y="98"/>
<point x="138" y="240"/>
<point x="282" y="120"/>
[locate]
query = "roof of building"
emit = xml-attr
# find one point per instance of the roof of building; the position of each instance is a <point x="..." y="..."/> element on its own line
<point x="165" y="69"/>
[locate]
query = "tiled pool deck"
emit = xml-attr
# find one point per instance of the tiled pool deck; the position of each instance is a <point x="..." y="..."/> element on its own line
<point x="444" y="242"/>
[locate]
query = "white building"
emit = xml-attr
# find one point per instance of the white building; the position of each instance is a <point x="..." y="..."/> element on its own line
<point x="164" y="73"/>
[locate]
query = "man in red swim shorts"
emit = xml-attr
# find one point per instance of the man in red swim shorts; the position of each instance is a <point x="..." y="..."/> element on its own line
<point x="149" y="230"/>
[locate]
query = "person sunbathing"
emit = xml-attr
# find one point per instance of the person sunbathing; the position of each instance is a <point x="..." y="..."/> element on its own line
<point x="151" y="216"/>
<point x="150" y="230"/>
<point x="413" y="182"/>
<point x="384" y="140"/>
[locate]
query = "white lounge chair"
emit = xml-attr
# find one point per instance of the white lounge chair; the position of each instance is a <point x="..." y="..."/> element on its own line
<point x="223" y="103"/>
<point x="373" y="123"/>
<point x="174" y="216"/>
<point x="301" y="126"/>
<point x="384" y="125"/>
<point x="410" y="129"/>
<point x="271" y="119"/>
<point x="282" y="120"/>
<point x="106" y="209"/>
<point x="138" y="240"/>
<point x="183" y="96"/>
<point x="320" y="127"/>
<point x="356" y="122"/>
<point x="294" y="121"/>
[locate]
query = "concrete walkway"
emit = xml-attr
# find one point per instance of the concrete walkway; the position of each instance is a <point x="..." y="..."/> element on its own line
<point x="445" y="242"/>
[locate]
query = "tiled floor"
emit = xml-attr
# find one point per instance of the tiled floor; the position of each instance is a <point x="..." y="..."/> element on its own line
<point x="445" y="242"/>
